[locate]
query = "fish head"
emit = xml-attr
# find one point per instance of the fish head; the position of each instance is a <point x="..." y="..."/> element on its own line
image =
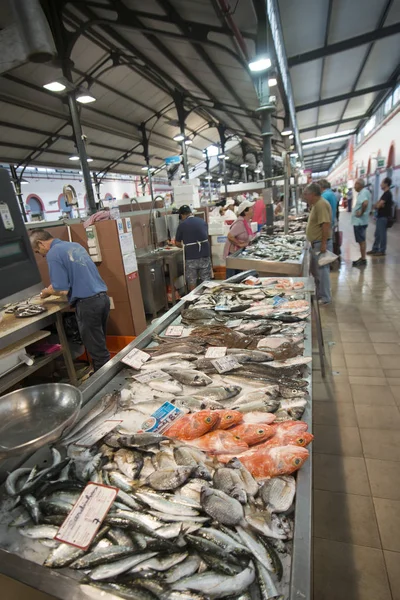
<point x="204" y="420"/>
<point x="228" y="418"/>
<point x="302" y="439"/>
<point x="291" y="457"/>
<point x="233" y="390"/>
<point x="253" y="433"/>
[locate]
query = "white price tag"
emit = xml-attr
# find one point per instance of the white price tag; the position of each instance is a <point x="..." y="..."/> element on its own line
<point x="136" y="358"/>
<point x="6" y="217"/>
<point x="234" y="322"/>
<point x="187" y="331"/>
<point x="215" y="352"/>
<point x="87" y="515"/>
<point x="174" y="331"/>
<point x="226" y="363"/>
<point x="98" y="433"/>
<point x="146" y="377"/>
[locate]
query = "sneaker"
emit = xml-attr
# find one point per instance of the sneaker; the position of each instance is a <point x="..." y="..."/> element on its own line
<point x="361" y="262"/>
<point x="371" y="252"/>
<point x="323" y="302"/>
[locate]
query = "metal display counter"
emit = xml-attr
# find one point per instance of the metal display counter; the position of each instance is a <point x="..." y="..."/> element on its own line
<point x="289" y="268"/>
<point x="111" y="377"/>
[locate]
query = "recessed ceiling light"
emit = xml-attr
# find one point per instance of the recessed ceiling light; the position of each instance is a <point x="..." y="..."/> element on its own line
<point x="55" y="86"/>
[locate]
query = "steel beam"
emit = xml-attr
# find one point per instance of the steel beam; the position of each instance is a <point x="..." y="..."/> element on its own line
<point x="354" y="42"/>
<point x="331" y="123"/>
<point x="347" y="96"/>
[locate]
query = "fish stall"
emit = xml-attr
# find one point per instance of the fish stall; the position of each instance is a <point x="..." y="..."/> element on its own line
<point x="187" y="474"/>
<point x="285" y="255"/>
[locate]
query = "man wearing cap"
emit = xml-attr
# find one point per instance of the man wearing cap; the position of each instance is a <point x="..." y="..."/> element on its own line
<point x="192" y="235"/>
<point x="240" y="233"/>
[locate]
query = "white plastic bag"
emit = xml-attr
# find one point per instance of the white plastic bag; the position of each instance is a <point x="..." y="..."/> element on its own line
<point x="325" y="258"/>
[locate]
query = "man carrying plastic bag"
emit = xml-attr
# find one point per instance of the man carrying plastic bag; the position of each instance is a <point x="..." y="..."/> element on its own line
<point x="319" y="234"/>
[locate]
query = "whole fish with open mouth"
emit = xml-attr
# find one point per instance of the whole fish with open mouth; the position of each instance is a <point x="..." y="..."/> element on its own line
<point x="252" y="433"/>
<point x="190" y="427"/>
<point x="189" y="377"/>
<point x="220" y="442"/>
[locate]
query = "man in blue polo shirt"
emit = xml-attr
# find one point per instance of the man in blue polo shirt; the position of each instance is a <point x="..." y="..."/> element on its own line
<point x="360" y="219"/>
<point x="330" y="197"/>
<point x="74" y="274"/>
<point x="192" y="233"/>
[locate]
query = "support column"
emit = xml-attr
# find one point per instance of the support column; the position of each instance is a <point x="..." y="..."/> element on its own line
<point x="266" y="109"/>
<point x="222" y="138"/>
<point x="179" y="100"/>
<point x="81" y="148"/>
<point x="17" y="184"/>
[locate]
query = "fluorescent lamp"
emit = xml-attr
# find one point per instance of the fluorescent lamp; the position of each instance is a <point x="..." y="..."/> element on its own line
<point x="55" y="86"/>
<point x="331" y="136"/>
<point x="325" y="142"/>
<point x="74" y="158"/>
<point x="260" y="63"/>
<point x="85" y="98"/>
<point x="179" y="137"/>
<point x="89" y="159"/>
<point x="272" y="82"/>
<point x="287" y="131"/>
<point x="244" y="165"/>
<point x="188" y="141"/>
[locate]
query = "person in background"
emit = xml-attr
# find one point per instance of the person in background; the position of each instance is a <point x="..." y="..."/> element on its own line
<point x="240" y="233"/>
<point x="226" y="211"/>
<point x="328" y="194"/>
<point x="279" y="206"/>
<point x="259" y="211"/>
<point x="192" y="234"/>
<point x="74" y="274"/>
<point x="319" y="234"/>
<point x="384" y="208"/>
<point x="349" y="200"/>
<point x="360" y="219"/>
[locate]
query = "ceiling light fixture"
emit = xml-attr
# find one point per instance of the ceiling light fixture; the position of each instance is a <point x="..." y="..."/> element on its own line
<point x="83" y="96"/>
<point x="179" y="137"/>
<point x="188" y="141"/>
<point x="257" y="170"/>
<point x="209" y="177"/>
<point x="55" y="86"/>
<point x="89" y="159"/>
<point x="287" y="130"/>
<point x="331" y="136"/>
<point x="222" y="156"/>
<point x="220" y="178"/>
<point x="232" y="181"/>
<point x="74" y="157"/>
<point x="272" y="82"/>
<point x="259" y="63"/>
<point x="244" y="165"/>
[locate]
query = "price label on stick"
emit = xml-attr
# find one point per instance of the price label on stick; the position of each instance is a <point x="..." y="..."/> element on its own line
<point x="87" y="515"/>
<point x="98" y="433"/>
<point x="225" y="364"/>
<point x="136" y="358"/>
<point x="174" y="331"/>
<point x="215" y="352"/>
<point x="146" y="377"/>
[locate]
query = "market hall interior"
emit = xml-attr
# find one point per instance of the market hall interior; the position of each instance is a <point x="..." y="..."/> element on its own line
<point x="356" y="417"/>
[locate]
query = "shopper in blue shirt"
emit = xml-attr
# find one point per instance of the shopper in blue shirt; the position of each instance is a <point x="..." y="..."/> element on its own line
<point x="192" y="233"/>
<point x="330" y="197"/>
<point x="360" y="219"/>
<point x="74" y="274"/>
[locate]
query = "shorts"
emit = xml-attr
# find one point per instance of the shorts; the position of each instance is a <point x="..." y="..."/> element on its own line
<point x="360" y="232"/>
<point x="198" y="268"/>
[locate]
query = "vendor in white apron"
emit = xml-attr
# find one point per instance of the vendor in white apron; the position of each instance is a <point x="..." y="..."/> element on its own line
<point x="192" y="235"/>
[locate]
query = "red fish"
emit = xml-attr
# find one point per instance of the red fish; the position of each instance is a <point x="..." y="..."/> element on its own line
<point x="228" y="418"/>
<point x="288" y="438"/>
<point x="220" y="442"/>
<point x="298" y="426"/>
<point x="258" y="417"/>
<point x="271" y="462"/>
<point x="252" y="433"/>
<point x="193" y="426"/>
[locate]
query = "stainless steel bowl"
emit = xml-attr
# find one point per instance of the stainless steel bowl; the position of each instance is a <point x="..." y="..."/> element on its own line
<point x="37" y="415"/>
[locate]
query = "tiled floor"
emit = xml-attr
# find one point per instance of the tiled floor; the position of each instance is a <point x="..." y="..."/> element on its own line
<point x="357" y="430"/>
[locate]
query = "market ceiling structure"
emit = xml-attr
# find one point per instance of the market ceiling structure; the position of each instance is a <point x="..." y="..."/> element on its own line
<point x="344" y="57"/>
<point x="134" y="57"/>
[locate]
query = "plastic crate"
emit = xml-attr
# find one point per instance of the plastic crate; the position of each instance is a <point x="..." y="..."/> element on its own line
<point x="115" y="343"/>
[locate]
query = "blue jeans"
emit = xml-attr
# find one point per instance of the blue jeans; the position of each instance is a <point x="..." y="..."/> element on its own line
<point x="321" y="274"/>
<point x="380" y="235"/>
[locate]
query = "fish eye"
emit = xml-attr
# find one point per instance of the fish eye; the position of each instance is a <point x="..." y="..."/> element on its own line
<point x="261" y="431"/>
<point x="301" y="440"/>
<point x="208" y="419"/>
<point x="228" y="417"/>
<point x="296" y="461"/>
